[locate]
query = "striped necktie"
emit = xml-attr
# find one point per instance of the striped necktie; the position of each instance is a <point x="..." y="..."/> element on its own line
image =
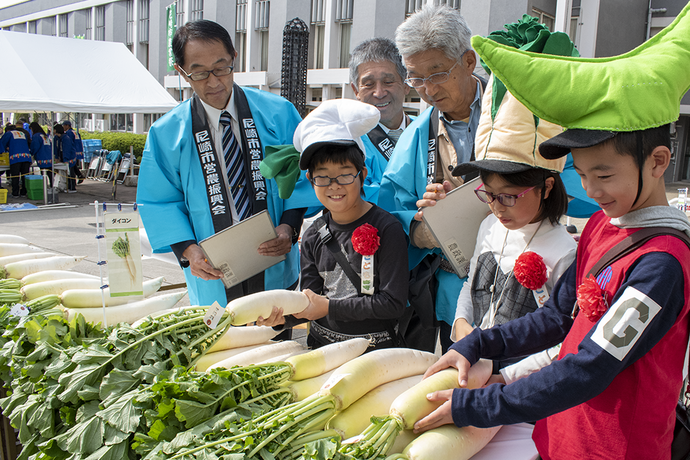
<point x="234" y="165"/>
<point x="394" y="134"/>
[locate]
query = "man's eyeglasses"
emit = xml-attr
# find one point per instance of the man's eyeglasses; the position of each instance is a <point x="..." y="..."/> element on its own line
<point x="503" y="198"/>
<point x="343" y="179"/>
<point x="434" y="78"/>
<point x="198" y="76"/>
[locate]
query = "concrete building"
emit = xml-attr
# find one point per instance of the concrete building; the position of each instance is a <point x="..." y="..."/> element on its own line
<point x="598" y="28"/>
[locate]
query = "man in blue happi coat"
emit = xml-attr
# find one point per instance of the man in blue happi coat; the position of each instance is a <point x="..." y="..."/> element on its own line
<point x="435" y="47"/>
<point x="184" y="185"/>
<point x="377" y="77"/>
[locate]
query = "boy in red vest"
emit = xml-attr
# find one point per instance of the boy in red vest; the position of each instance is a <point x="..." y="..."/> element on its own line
<point x="613" y="390"/>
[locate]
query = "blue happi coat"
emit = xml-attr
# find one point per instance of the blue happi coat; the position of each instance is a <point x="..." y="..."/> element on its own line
<point x="403" y="183"/>
<point x="172" y="190"/>
<point x="42" y="150"/>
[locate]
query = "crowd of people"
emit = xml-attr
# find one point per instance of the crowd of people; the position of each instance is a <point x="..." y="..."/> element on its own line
<point x="28" y="143"/>
<point x="592" y="354"/>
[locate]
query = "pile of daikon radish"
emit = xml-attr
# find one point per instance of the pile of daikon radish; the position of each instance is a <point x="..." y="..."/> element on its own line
<point x="41" y="273"/>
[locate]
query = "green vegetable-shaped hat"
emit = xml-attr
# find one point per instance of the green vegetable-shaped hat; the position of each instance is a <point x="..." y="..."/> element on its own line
<point x="637" y="90"/>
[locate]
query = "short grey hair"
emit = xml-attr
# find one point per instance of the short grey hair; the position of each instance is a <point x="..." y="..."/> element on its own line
<point x="434" y="27"/>
<point x="375" y="50"/>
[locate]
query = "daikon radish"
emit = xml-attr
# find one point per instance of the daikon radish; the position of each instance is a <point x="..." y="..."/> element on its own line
<point x="13" y="239"/>
<point x="357" y="377"/>
<point x="405" y="437"/>
<point x="302" y="389"/>
<point x="10" y="249"/>
<point x="213" y="357"/>
<point x="26" y="267"/>
<point x="25" y="256"/>
<point x="376" y="403"/>
<point x="261" y="354"/>
<point x="284" y="357"/>
<point x="247" y="309"/>
<point x="408" y="408"/>
<point x="327" y="358"/>
<point x="49" y="275"/>
<point x="127" y="313"/>
<point x="91" y="298"/>
<point x="31" y="291"/>
<point x="244" y="337"/>
<point x="448" y="441"/>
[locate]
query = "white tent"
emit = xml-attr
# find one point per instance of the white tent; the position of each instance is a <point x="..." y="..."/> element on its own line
<point x="53" y="74"/>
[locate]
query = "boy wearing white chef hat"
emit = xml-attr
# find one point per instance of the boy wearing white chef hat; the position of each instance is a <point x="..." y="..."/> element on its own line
<point x="354" y="257"/>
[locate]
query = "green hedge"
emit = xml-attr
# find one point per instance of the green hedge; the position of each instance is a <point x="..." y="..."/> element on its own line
<point x="118" y="141"/>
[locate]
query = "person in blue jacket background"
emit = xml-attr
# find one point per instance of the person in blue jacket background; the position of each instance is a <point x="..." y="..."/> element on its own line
<point x="41" y="149"/>
<point x="20" y="158"/>
<point x="75" y="169"/>
<point x="69" y="156"/>
<point x="183" y="183"/>
<point x="377" y="77"/>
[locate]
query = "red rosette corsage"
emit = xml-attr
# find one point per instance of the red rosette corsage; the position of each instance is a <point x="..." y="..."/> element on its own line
<point x="590" y="299"/>
<point x="365" y="240"/>
<point x="530" y="270"/>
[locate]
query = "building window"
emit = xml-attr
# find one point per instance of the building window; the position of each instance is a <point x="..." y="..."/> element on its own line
<point x="196" y="11"/>
<point x="263" y="8"/>
<point x="343" y="16"/>
<point x="63" y="25"/>
<point x="412" y="6"/>
<point x="575" y="23"/>
<point x="52" y="29"/>
<point x="130" y="23"/>
<point x="264" y="50"/>
<point x="121" y="122"/>
<point x="144" y="10"/>
<point x="180" y="13"/>
<point x="544" y="18"/>
<point x="89" y="26"/>
<point x="318" y="31"/>
<point x="100" y="23"/>
<point x="149" y="119"/>
<point x="241" y="35"/>
<point x="32" y="27"/>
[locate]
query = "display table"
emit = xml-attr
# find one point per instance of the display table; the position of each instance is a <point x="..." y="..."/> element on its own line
<point x="511" y="441"/>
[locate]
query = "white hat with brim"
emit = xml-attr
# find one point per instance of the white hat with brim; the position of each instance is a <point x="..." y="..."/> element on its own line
<point x="336" y="121"/>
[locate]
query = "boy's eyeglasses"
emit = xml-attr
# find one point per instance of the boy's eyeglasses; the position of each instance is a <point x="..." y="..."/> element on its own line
<point x="504" y="198"/>
<point x="435" y="78"/>
<point x="198" y="76"/>
<point x="343" y="179"/>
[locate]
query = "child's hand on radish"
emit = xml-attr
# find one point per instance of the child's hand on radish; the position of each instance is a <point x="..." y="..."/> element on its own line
<point x="276" y="318"/>
<point x="441" y="416"/>
<point x="317" y="308"/>
<point x="451" y="359"/>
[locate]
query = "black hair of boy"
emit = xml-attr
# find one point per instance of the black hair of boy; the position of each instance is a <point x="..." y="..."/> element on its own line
<point x="339" y="154"/>
<point x="554" y="206"/>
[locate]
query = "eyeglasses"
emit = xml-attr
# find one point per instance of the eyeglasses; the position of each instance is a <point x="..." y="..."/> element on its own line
<point x="434" y="78"/>
<point x="203" y="75"/>
<point x="343" y="179"/>
<point x="503" y="198"/>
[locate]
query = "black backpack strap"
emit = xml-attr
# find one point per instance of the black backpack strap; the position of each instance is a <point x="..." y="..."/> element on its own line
<point x="332" y="245"/>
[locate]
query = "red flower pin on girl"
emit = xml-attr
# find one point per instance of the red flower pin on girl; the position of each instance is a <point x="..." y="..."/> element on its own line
<point x="590" y="299"/>
<point x="530" y="270"/>
<point x="366" y="241"/>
